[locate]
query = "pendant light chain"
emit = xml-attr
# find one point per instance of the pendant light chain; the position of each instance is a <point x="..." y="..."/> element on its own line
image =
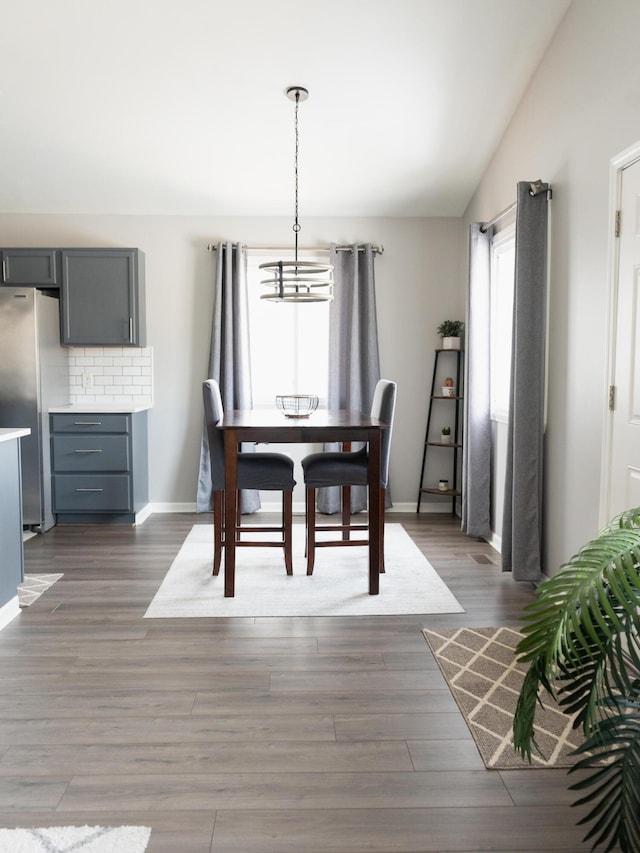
<point x="297" y="281"/>
<point x="296" y="227"/>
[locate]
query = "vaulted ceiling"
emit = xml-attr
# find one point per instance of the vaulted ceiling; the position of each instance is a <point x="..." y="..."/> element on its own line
<point x="179" y="106"/>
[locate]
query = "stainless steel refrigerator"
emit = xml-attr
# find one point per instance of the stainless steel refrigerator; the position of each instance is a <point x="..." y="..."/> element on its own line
<point x="34" y="376"/>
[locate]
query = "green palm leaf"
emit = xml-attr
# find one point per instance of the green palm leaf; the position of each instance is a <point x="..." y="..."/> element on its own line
<point x="581" y="639"/>
<point x="615" y="755"/>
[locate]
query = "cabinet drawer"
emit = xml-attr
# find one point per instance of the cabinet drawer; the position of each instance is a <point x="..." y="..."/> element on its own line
<point x="91" y="453"/>
<point x="83" y="423"/>
<point x="91" y="493"/>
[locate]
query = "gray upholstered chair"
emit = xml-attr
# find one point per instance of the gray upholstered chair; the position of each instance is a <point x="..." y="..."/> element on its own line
<point x="348" y="469"/>
<point x="268" y="471"/>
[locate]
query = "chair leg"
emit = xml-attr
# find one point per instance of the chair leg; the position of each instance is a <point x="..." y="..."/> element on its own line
<point x="310" y="512"/>
<point x="346" y="512"/>
<point x="382" y="497"/>
<point x="346" y="501"/>
<point x="287" y="525"/>
<point x="238" y="520"/>
<point x="218" y="526"/>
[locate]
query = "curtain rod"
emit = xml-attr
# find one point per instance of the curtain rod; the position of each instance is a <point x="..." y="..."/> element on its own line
<point x="378" y="250"/>
<point x="498" y="217"/>
<point x="535" y="188"/>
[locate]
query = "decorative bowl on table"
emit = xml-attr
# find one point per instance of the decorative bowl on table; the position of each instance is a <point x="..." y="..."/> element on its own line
<point x="297" y="405"/>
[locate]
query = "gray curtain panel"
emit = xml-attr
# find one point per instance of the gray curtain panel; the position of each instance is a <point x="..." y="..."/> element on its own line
<point x="229" y="357"/>
<point x="522" y="522"/>
<point x="476" y="459"/>
<point x="354" y="363"/>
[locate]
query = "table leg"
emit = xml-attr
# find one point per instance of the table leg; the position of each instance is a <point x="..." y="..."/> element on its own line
<point x="375" y="552"/>
<point x="230" y="490"/>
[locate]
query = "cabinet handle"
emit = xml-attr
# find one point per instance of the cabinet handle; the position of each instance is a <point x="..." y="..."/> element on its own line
<point x="4" y="269"/>
<point x="89" y="490"/>
<point x="87" y="423"/>
<point x="88" y="451"/>
<point x="130" y="330"/>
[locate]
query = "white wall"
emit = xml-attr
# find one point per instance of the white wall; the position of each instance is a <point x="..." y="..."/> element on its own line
<point x="419" y="278"/>
<point x="580" y="110"/>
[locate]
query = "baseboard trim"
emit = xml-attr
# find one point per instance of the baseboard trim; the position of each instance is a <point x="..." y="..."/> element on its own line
<point x="143" y="514"/>
<point x="9" y="611"/>
<point x="496" y="542"/>
<point x="171" y="507"/>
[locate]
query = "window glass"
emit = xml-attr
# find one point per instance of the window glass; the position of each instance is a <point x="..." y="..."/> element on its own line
<point x="503" y="252"/>
<point x="289" y="342"/>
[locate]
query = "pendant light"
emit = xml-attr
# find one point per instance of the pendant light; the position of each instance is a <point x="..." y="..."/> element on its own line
<point x="297" y="281"/>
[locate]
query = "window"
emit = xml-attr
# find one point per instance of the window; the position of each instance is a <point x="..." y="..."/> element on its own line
<point x="289" y="343"/>
<point x="503" y="251"/>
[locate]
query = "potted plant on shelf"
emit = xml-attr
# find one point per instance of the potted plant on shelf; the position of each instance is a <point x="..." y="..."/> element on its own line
<point x="582" y="644"/>
<point x="446" y="435"/>
<point x="450" y="332"/>
<point x="448" y="388"/>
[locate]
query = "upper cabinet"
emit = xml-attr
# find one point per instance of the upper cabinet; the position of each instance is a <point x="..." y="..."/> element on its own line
<point x="102" y="299"/>
<point x="39" y="267"/>
<point x="102" y="291"/>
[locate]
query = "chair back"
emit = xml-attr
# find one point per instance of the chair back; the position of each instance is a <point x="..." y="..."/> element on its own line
<point x="213" y="414"/>
<point x="383" y="408"/>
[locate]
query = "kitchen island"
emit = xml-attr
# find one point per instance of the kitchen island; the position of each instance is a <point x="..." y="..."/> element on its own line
<point x="11" y="553"/>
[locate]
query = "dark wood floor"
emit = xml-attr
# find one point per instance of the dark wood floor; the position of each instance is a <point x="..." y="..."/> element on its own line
<point x="327" y="735"/>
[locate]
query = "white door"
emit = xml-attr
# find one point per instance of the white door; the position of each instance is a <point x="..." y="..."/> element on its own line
<point x="624" y="489"/>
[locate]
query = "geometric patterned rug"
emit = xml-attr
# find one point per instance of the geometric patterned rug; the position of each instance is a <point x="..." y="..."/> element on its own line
<point x="79" y="839"/>
<point x="33" y="586"/>
<point x="484" y="677"/>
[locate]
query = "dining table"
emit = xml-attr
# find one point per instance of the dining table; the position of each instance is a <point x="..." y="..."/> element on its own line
<point x="324" y="425"/>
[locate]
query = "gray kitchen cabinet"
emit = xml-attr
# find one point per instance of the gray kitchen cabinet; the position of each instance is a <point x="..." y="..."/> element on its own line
<point x="100" y="466"/>
<point x="102" y="297"/>
<point x="38" y="267"/>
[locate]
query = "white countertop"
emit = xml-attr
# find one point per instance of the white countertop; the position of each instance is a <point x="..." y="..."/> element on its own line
<point x="104" y="408"/>
<point x="9" y="433"/>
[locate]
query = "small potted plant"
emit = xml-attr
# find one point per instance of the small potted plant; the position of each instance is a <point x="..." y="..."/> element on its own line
<point x="448" y="388"/>
<point x="446" y="435"/>
<point x="450" y="332"/>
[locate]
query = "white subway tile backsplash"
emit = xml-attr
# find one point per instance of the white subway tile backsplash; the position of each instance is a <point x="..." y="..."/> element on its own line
<point x="111" y="375"/>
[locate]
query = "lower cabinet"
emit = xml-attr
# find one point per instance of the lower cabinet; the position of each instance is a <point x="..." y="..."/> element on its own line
<point x="100" y="466"/>
<point x="11" y="556"/>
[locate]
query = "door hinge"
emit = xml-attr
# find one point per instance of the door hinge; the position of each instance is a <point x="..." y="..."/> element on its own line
<point x="618" y="222"/>
<point x="612" y="397"/>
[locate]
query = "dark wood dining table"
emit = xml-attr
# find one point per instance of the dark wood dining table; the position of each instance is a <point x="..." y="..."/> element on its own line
<point x="324" y="425"/>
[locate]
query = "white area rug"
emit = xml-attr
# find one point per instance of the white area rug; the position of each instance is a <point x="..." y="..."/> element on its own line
<point x="33" y="586"/>
<point x="338" y="587"/>
<point x="79" y="839"/>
